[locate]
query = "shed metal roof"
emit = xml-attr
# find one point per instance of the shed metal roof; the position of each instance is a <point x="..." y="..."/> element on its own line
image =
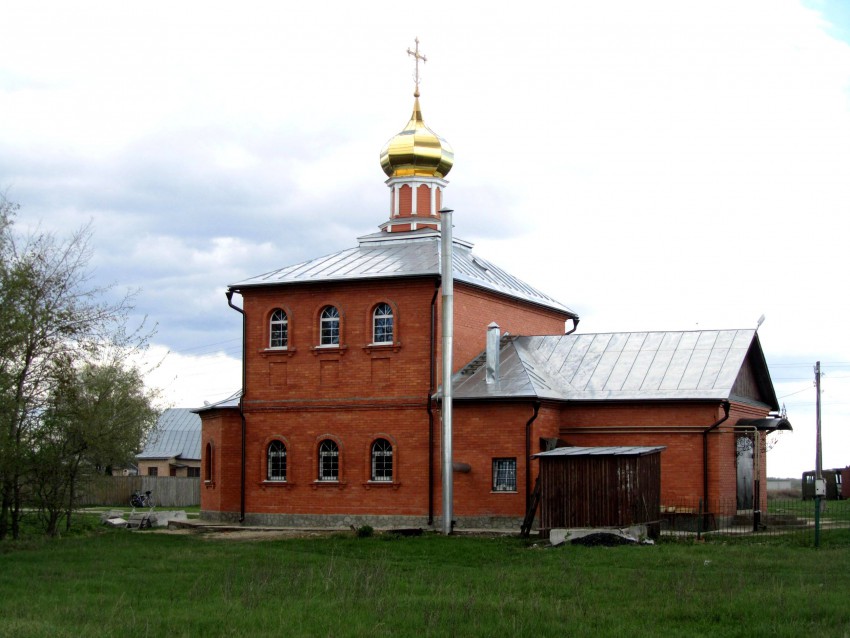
<point x="412" y="254"/>
<point x="620" y="450"/>
<point x="177" y="435"/>
<point x="702" y="364"/>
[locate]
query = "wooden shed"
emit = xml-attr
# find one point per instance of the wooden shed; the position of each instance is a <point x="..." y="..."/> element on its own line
<point x="599" y="487"/>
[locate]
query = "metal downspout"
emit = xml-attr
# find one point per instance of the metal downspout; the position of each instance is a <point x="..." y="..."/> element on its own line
<point x="229" y="295"/>
<point x="533" y="418"/>
<point x="575" y="326"/>
<point x="725" y="405"/>
<point x="431" y="384"/>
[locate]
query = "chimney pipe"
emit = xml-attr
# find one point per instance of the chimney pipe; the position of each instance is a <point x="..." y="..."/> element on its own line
<point x="492" y="354"/>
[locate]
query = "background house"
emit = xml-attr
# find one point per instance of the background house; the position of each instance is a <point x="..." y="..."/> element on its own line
<point x="174" y="447"/>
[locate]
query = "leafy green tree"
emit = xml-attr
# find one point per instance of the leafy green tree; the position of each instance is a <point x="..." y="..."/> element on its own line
<point x="53" y="320"/>
<point x="98" y="416"/>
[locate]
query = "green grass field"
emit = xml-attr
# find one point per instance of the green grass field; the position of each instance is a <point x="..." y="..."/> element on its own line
<point x="117" y="583"/>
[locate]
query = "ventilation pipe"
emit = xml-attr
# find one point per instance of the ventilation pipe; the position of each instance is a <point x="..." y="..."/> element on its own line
<point x="492" y="354"/>
<point x="448" y="345"/>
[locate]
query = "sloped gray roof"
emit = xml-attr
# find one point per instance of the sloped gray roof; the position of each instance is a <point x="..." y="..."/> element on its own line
<point x="619" y="450"/>
<point x="230" y="402"/>
<point x="177" y="435"/>
<point x="702" y="364"/>
<point x="412" y="254"/>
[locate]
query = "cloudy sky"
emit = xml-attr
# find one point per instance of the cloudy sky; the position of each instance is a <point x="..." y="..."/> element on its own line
<point x="653" y="165"/>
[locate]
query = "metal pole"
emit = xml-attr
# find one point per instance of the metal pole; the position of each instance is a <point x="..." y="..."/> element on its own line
<point x="448" y="338"/>
<point x="818" y="455"/>
<point x="818" y="446"/>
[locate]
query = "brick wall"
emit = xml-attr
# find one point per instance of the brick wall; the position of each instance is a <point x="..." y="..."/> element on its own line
<point x="221" y="435"/>
<point x="359" y="392"/>
<point x="679" y="427"/>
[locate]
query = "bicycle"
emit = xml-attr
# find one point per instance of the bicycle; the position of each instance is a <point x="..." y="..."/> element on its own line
<point x="141" y="500"/>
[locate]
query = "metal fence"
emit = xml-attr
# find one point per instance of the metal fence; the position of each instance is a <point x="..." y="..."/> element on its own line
<point x="167" y="491"/>
<point x="792" y="518"/>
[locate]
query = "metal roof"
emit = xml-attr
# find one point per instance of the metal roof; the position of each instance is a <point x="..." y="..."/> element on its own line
<point x="177" y="435"/>
<point x="230" y="402"/>
<point x="620" y="450"/>
<point x="411" y="254"/>
<point x="702" y="364"/>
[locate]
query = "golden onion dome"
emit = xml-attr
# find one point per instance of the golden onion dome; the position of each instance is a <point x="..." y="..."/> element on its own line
<point x="417" y="150"/>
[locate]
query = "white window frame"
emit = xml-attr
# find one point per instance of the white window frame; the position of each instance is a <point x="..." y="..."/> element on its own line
<point x="328" y="456"/>
<point x="279" y="329"/>
<point x="383" y="317"/>
<point x="504" y="474"/>
<point x="276" y="473"/>
<point x="329" y="326"/>
<point x="382" y="461"/>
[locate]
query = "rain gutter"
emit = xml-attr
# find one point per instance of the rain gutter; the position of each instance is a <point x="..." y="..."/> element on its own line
<point x="536" y="406"/>
<point x="725" y="405"/>
<point x="431" y="384"/>
<point x="229" y="295"/>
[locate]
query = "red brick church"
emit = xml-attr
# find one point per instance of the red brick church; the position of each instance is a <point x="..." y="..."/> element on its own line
<point x="338" y="421"/>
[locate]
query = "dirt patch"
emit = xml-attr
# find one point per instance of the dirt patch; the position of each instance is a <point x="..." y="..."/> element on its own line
<point x="259" y="535"/>
<point x="212" y="534"/>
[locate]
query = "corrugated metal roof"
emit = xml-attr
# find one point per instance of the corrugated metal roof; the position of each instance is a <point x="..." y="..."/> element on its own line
<point x="230" y="402"/>
<point x="619" y="366"/>
<point x="620" y="450"/>
<point x="177" y="435"/>
<point x="412" y="254"/>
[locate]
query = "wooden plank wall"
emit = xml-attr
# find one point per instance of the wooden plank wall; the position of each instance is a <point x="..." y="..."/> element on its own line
<point x="167" y="491"/>
<point x="594" y="491"/>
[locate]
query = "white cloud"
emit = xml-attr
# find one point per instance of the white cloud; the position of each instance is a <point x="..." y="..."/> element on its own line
<point x="680" y="165"/>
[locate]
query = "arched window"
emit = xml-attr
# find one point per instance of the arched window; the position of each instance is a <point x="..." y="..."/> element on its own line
<point x="208" y="463"/>
<point x="278" y="329"/>
<point x="329" y="326"/>
<point x="328" y="460"/>
<point x="382" y="460"/>
<point x="276" y="466"/>
<point x="382" y="324"/>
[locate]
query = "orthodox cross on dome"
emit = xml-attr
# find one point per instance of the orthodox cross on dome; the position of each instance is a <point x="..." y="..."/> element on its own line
<point x="417" y="56"/>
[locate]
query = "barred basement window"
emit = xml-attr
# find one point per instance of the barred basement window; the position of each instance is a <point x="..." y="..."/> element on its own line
<point x="328" y="461"/>
<point x="278" y="329"/>
<point x="504" y="475"/>
<point x="329" y="326"/>
<point x="382" y="460"/>
<point x="276" y="466"/>
<point x="382" y="324"/>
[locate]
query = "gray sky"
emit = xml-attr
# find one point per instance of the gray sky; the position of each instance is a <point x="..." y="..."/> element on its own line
<point x="653" y="165"/>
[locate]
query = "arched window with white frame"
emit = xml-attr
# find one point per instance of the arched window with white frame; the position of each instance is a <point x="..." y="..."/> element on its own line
<point x="276" y="461"/>
<point x="329" y="326"/>
<point x="382" y="324"/>
<point x="328" y="460"/>
<point x="382" y="461"/>
<point x="278" y="329"/>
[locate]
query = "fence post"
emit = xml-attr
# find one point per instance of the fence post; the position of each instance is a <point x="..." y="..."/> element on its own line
<point x="699" y="521"/>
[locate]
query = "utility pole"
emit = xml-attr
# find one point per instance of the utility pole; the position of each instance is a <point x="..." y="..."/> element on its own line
<point x="819" y="486"/>
<point x="818" y="445"/>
